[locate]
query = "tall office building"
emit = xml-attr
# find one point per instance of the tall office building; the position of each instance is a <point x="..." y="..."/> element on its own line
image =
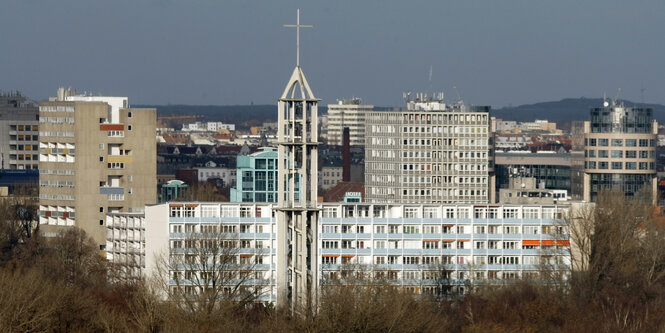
<point x="96" y="156"/>
<point x="429" y="153"/>
<point x="19" y="131"/>
<point x="620" y="150"/>
<point x="347" y="113"/>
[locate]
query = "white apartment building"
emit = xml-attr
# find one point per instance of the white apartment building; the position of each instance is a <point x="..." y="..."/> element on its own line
<point x="125" y="242"/>
<point x="429" y="153"/>
<point x="347" y="113"/>
<point x="426" y="248"/>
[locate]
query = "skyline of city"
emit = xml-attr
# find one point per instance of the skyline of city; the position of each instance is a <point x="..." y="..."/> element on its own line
<point x="495" y="54"/>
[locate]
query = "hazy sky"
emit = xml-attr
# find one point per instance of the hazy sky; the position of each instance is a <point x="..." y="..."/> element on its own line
<point x="237" y="52"/>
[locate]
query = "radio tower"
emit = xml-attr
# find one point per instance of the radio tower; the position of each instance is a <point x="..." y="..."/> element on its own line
<point x="297" y="219"/>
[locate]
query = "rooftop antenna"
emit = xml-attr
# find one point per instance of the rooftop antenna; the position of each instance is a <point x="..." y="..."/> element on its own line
<point x="459" y="98"/>
<point x="298" y="26"/>
<point x="616" y="98"/>
<point x="430" y="78"/>
<point x="605" y="103"/>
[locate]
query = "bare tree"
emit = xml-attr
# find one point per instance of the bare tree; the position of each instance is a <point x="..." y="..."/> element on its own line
<point x="210" y="273"/>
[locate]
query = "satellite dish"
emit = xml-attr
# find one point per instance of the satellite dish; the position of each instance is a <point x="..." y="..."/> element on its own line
<point x="606" y="104"/>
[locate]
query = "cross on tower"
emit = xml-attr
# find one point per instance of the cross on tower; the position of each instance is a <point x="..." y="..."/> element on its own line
<point x="298" y="26"/>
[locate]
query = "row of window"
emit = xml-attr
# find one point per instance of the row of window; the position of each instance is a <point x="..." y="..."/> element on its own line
<point x="443" y="129"/>
<point x="56" y="134"/>
<point x="56" y="109"/>
<point x="66" y="172"/>
<point x="445" y="229"/>
<point x="56" y="183"/>
<point x="24" y="128"/>
<point x="56" y="120"/>
<point x="620" y="153"/>
<point x="620" y="142"/>
<point x="22" y="137"/>
<point x="44" y="196"/>
<point x="379" y="211"/>
<point x="443" y="260"/>
<point x="619" y="165"/>
<point x="443" y="117"/>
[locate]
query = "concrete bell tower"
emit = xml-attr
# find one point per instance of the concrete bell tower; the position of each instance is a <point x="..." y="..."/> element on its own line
<point x="297" y="219"/>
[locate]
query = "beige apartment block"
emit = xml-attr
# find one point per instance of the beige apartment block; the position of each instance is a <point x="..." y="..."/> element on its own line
<point x="96" y="156"/>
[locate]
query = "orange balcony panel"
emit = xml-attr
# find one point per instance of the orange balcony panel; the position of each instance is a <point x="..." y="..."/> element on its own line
<point x="111" y="127"/>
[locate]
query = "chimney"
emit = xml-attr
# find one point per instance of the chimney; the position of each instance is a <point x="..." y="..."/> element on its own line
<point x="346" y="156"/>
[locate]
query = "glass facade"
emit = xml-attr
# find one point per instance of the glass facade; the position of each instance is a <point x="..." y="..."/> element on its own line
<point x="621" y="120"/>
<point x="630" y="184"/>
<point x="556" y="177"/>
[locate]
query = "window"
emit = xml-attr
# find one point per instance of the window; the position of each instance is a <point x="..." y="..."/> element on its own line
<point x="644" y="143"/>
<point x="129" y="114"/>
<point x="411" y="229"/>
<point x="430" y="244"/>
<point x="511" y="230"/>
<point x="631" y="142"/>
<point x="617" y="153"/>
<point x="603" y="142"/>
<point x="129" y="127"/>
<point x="617" y="142"/>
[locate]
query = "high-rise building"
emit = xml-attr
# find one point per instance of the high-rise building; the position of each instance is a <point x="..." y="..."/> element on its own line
<point x="620" y="150"/>
<point x="429" y="153"/>
<point x="19" y="131"/>
<point x="96" y="156"/>
<point x="347" y="113"/>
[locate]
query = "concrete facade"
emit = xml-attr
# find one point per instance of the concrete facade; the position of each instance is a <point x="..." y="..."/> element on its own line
<point x="429" y="153"/>
<point x="96" y="157"/>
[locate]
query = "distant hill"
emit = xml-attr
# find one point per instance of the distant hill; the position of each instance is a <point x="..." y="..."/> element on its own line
<point x="565" y="110"/>
<point x="562" y="112"/>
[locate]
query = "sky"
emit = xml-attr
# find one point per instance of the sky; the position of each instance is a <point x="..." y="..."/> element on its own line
<point x="231" y="52"/>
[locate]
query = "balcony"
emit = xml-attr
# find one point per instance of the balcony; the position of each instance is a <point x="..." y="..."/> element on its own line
<point x="120" y="159"/>
<point x="111" y="190"/>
